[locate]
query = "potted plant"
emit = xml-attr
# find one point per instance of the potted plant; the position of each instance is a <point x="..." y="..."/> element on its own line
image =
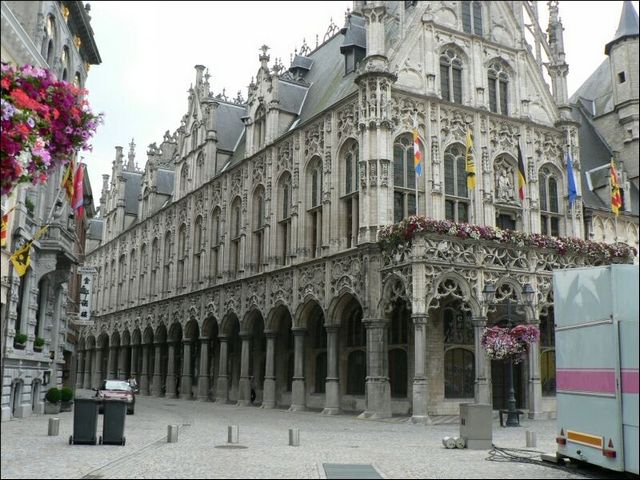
<point x="66" y="398"/>
<point x="28" y="203"/>
<point x="20" y="341"/>
<point x="38" y="344"/>
<point x="52" y="405"/>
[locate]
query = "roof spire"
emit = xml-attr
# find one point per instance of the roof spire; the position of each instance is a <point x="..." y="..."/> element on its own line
<point x="627" y="27"/>
<point x="131" y="166"/>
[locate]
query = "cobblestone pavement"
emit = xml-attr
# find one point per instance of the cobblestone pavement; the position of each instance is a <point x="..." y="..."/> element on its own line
<point x="397" y="448"/>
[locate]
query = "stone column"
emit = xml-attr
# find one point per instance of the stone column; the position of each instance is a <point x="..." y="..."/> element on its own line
<point x="134" y="362"/>
<point x="269" y="394"/>
<point x="482" y="389"/>
<point x="144" y="375"/>
<point x="298" y="390"/>
<point x="535" y="383"/>
<point x="156" y="383"/>
<point x="420" y="389"/>
<point x="97" y="371"/>
<point x="378" y="390"/>
<point x="186" y="383"/>
<point x="86" y="383"/>
<point x="171" y="371"/>
<point x="244" y="388"/>
<point x="222" y="390"/>
<point x="111" y="362"/>
<point x="203" y="373"/>
<point x="80" y="369"/>
<point x="332" y="388"/>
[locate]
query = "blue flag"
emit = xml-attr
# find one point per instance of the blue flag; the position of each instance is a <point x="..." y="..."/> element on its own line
<point x="571" y="180"/>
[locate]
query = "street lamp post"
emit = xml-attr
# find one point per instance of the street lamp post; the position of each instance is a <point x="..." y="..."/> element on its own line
<point x="488" y="294"/>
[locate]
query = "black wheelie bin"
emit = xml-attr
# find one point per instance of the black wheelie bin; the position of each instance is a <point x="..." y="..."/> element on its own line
<point x="85" y="421"/>
<point x="115" y="412"/>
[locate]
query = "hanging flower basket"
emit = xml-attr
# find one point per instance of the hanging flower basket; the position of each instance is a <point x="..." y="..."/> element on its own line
<point x="503" y="343"/>
<point x="44" y="121"/>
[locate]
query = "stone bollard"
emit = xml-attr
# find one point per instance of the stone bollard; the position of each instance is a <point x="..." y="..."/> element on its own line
<point x="233" y="434"/>
<point x="172" y="433"/>
<point x="294" y="437"/>
<point x="54" y="426"/>
<point x="531" y="439"/>
<point x="460" y="442"/>
<point x="449" y="442"/>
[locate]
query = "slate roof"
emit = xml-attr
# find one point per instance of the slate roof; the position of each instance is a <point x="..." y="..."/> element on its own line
<point x="229" y="125"/>
<point x="596" y="93"/>
<point x="164" y="181"/>
<point x="132" y="189"/>
<point x="96" y="226"/>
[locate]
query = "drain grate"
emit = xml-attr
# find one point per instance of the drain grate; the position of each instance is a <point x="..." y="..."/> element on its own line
<point x="349" y="470"/>
<point x="230" y="446"/>
<point x="170" y="404"/>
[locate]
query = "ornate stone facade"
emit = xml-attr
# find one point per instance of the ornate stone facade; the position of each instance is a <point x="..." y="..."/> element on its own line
<point x="263" y="271"/>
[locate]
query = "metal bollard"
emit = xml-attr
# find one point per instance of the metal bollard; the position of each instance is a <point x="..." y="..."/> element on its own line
<point x="233" y="434"/>
<point x="54" y="426"/>
<point x="172" y="433"/>
<point x="530" y="439"/>
<point x="294" y="437"/>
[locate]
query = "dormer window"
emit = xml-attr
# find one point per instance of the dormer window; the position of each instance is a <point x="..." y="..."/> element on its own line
<point x="260" y="128"/>
<point x="354" y="46"/>
<point x="184" y="177"/>
<point x="472" y="17"/>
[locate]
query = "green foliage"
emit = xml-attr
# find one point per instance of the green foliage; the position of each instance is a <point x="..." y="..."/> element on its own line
<point x="53" y="395"/>
<point x="66" y="394"/>
<point x="21" y="337"/>
<point x="38" y="342"/>
<point x="28" y="203"/>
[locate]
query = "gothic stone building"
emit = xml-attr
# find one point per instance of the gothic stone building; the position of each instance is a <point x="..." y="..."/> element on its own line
<point x="245" y="257"/>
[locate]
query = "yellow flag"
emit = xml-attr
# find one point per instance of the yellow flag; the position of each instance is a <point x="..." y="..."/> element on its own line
<point x="471" y="166"/>
<point x="21" y="258"/>
<point x="67" y="180"/>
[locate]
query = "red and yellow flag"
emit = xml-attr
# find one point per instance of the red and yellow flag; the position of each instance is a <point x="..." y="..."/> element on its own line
<point x="616" y="197"/>
<point x="21" y="258"/>
<point x="67" y="180"/>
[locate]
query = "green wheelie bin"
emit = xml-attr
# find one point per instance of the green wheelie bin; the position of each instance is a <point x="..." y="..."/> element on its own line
<point x="115" y="413"/>
<point x="85" y="421"/>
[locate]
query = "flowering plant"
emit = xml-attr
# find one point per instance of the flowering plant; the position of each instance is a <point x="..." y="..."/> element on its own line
<point x="501" y="343"/>
<point x="44" y="121"/>
<point x="391" y="236"/>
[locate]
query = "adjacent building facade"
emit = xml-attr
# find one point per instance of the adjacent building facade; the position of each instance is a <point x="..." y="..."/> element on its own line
<point x="245" y="256"/>
<point x="57" y="36"/>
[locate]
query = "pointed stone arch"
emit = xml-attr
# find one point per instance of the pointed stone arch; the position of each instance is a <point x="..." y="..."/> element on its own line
<point x="455" y="285"/>
<point x="305" y="309"/>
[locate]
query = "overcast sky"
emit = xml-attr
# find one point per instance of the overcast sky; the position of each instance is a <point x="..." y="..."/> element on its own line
<point x="149" y="49"/>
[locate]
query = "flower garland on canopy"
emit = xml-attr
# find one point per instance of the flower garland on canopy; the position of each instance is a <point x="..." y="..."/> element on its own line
<point x="503" y="343"/>
<point x="44" y="121"/>
<point x="391" y="236"/>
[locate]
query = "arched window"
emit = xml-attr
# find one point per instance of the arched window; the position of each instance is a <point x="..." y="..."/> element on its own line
<point x="142" y="290"/>
<point x="284" y="218"/>
<point x="498" y="88"/>
<point x="404" y="178"/>
<point x="260" y="128"/>
<point x="236" y="230"/>
<point x="133" y="267"/>
<point x="216" y="241"/>
<point x="350" y="197"/>
<point x="459" y="373"/>
<point x="122" y="269"/>
<point x="48" y="43"/>
<point x="114" y="280"/>
<point x="155" y="264"/>
<point x="548" y="353"/>
<point x="356" y="335"/>
<point x="64" y="58"/>
<point x="200" y="169"/>
<point x="549" y="205"/>
<point x="451" y="75"/>
<point x="182" y="254"/>
<point x="258" y="225"/>
<point x="167" y="260"/>
<point x="197" y="250"/>
<point x="459" y="366"/>
<point x="184" y="178"/>
<point x="194" y="136"/>
<point x="314" y="207"/>
<point x="472" y="17"/>
<point x="77" y="80"/>
<point x="456" y="205"/>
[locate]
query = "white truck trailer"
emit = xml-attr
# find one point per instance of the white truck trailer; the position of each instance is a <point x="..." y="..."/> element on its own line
<point x="596" y="327"/>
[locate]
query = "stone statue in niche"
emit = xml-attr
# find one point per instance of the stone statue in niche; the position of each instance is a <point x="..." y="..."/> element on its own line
<point x="505" y="188"/>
